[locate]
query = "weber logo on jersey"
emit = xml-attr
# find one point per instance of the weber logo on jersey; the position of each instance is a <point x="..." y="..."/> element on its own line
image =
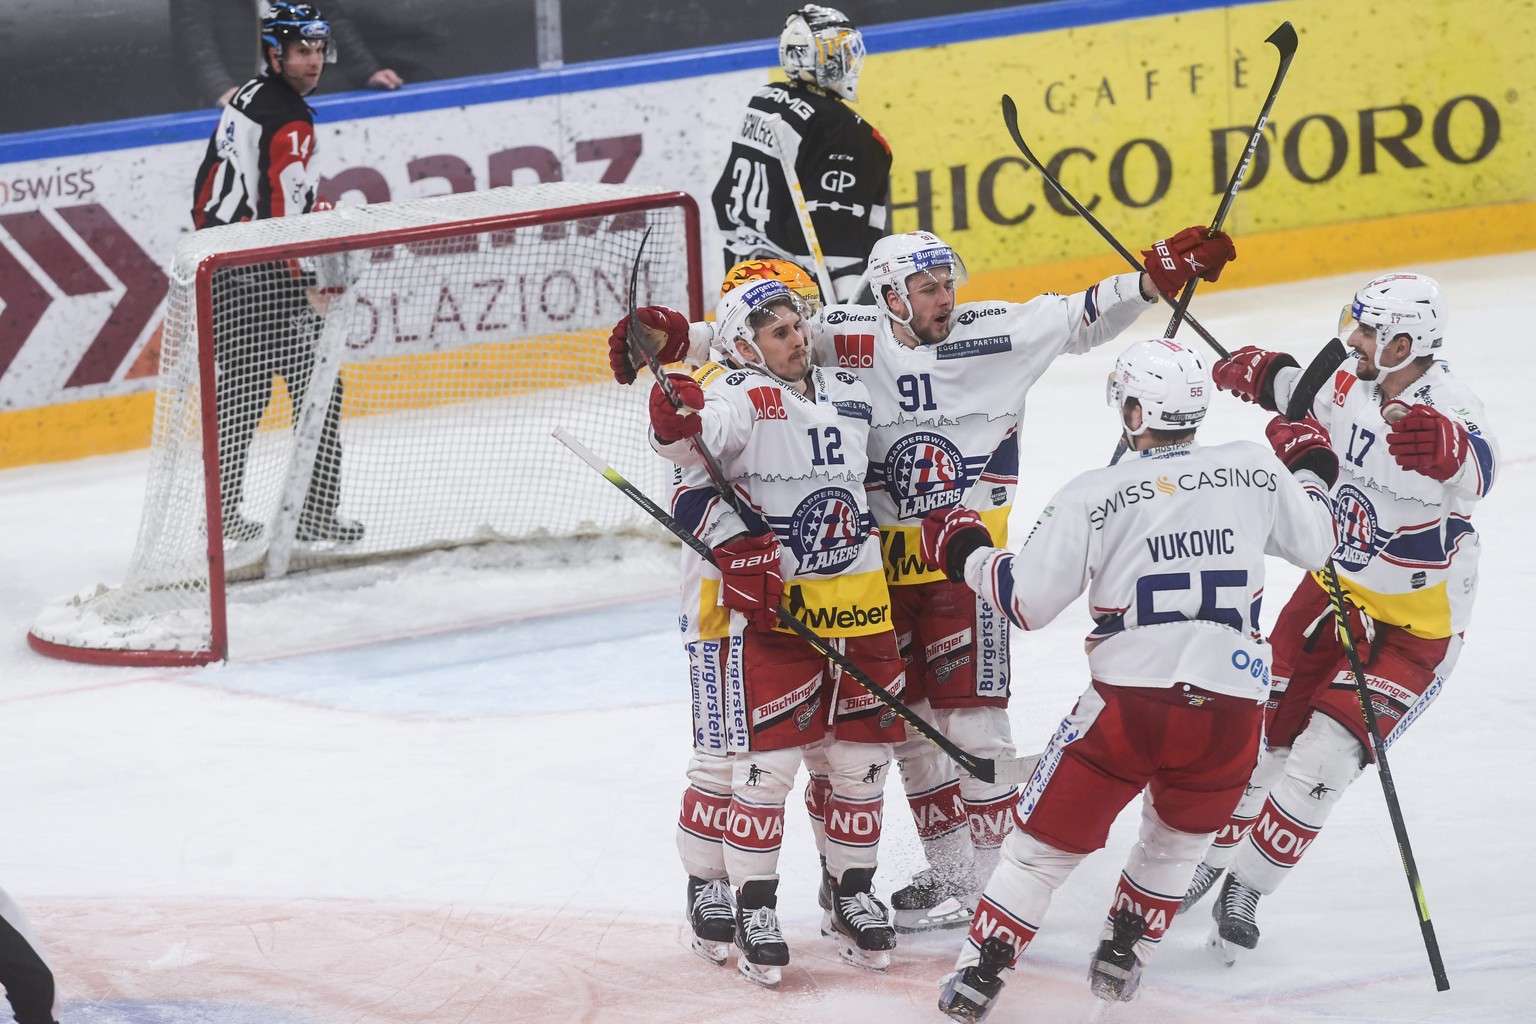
<point x="963" y="348"/>
<point x="827" y="531"/>
<point x="924" y="471"/>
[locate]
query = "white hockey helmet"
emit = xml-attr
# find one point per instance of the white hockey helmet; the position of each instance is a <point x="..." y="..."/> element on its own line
<point x="896" y="258"/>
<point x="1394" y="304"/>
<point x="1168" y="379"/>
<point x="745" y="310"/>
<point x="819" y="45"/>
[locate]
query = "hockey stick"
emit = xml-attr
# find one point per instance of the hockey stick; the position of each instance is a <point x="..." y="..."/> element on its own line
<point x="1284" y="40"/>
<point x="803" y="212"/>
<point x="1013" y="770"/>
<point x="636" y="336"/>
<point x="1011" y="119"/>
<point x="1312" y="379"/>
<point x="1388" y="787"/>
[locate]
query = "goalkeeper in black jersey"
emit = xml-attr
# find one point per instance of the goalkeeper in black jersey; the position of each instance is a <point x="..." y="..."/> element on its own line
<point x="842" y="162"/>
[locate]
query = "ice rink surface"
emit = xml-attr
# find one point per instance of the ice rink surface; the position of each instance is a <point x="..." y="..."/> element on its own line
<point x="374" y="813"/>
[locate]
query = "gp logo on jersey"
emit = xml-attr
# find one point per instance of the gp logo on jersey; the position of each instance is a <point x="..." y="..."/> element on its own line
<point x="1359" y="536"/>
<point x="827" y="532"/>
<point x="924" y="471"/>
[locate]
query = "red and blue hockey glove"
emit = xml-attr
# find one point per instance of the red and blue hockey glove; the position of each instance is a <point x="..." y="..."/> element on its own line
<point x="670" y="422"/>
<point x="667" y="335"/>
<point x="1249" y="373"/>
<point x="949" y="537"/>
<point x="1171" y="262"/>
<point x="1429" y="442"/>
<point x="1303" y="444"/>
<point x="750" y="580"/>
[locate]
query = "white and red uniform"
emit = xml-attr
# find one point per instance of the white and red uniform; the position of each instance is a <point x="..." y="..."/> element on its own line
<point x="1407" y="560"/>
<point x="1170" y="546"/>
<point x="797" y="464"/>
<point x="945" y="429"/>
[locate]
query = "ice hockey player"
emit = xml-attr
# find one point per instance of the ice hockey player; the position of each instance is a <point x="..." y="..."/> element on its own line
<point x="789" y="438"/>
<point x="1170" y="546"/>
<point x="843" y="164"/>
<point x="257" y="166"/>
<point x="1415" y="457"/>
<point x="948" y="385"/>
<point x="24" y="972"/>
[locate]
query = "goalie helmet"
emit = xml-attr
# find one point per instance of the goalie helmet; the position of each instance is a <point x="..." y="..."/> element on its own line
<point x="745" y="310"/>
<point x="896" y="258"/>
<point x="819" y="45"/>
<point x="285" y="22"/>
<point x="1167" y="379"/>
<point x="1394" y="304"/>
<point x="792" y="275"/>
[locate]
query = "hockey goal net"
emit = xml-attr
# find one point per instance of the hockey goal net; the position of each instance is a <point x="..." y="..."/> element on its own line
<point x="384" y="380"/>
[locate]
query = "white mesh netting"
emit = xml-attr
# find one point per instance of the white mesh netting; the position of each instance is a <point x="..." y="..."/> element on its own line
<point x="391" y="398"/>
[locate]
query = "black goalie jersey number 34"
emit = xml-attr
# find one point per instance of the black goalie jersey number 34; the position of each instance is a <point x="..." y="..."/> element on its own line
<point x="844" y="166"/>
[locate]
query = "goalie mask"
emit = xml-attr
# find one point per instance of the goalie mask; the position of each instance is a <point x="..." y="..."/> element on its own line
<point x="1169" y="382"/>
<point x="284" y="22"/>
<point x="819" y="45"/>
<point x="744" y="311"/>
<point x="790" y="274"/>
<point x="896" y="259"/>
<point x="1394" y="304"/>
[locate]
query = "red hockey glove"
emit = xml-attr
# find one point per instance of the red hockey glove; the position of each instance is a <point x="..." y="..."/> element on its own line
<point x="949" y="537"/>
<point x="1302" y="444"/>
<point x="668" y="421"/>
<point x="1249" y="373"/>
<point x="750" y="581"/>
<point x="1429" y="442"/>
<point x="1171" y="262"/>
<point x="668" y="337"/>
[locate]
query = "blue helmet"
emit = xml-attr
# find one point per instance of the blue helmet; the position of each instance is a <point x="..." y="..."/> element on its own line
<point x="284" y="22"/>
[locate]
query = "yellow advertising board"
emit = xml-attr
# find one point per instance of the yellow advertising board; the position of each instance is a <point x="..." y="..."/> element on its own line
<point x="1388" y="110"/>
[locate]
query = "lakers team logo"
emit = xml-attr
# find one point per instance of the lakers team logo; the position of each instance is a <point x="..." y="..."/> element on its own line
<point x="924" y="471"/>
<point x="827" y="531"/>
<point x="1359" y="536"/>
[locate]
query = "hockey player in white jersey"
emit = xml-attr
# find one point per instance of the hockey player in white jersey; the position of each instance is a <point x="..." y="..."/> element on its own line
<point x="1415" y="457"/>
<point x="948" y="384"/>
<point x="1170" y="547"/>
<point x="790" y="439"/>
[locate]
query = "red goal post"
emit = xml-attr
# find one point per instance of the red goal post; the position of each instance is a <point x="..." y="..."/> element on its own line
<point x="384" y="380"/>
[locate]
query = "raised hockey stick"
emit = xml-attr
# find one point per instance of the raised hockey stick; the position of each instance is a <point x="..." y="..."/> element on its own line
<point x="1284" y="40"/>
<point x="1011" y="119"/>
<point x="1388" y="787"/>
<point x="636" y="335"/>
<point x="802" y="211"/>
<point x="1011" y="770"/>
<point x="1312" y="379"/>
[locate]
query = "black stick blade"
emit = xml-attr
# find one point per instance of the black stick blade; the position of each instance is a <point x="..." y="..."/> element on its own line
<point x="1284" y="40"/>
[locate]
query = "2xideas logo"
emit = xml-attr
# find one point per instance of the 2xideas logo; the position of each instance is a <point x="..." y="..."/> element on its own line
<point x="65" y="246"/>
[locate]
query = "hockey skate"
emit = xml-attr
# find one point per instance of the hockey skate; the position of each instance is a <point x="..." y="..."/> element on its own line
<point x="712" y="913"/>
<point x="934" y="900"/>
<point x="1236" y="926"/>
<point x="238" y="528"/>
<point x="1114" y="973"/>
<point x="1205" y="877"/>
<point x="968" y="995"/>
<point x="860" y="922"/>
<point x="332" y="529"/>
<point x="762" y="945"/>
